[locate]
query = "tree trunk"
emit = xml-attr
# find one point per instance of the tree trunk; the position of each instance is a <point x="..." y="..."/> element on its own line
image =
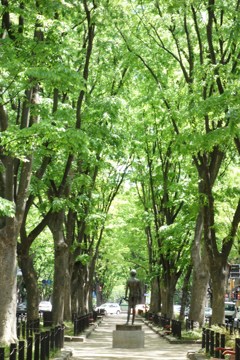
<point x="168" y="287"/>
<point x="83" y="290"/>
<point x="9" y="232"/>
<point x="8" y="286"/>
<point x="200" y="278"/>
<point x="219" y="277"/>
<point x="67" y="298"/>
<point x="60" y="266"/>
<point x="31" y="283"/>
<point x="185" y="292"/>
<point x="155" y="302"/>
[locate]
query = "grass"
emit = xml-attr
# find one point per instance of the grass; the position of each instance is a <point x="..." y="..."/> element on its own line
<point x="195" y="334"/>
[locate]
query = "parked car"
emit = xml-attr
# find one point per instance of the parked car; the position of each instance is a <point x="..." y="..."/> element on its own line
<point x="45" y="306"/>
<point x="237" y="317"/>
<point x="208" y="312"/>
<point x="22" y="307"/>
<point x="229" y="311"/>
<point x="109" y="308"/>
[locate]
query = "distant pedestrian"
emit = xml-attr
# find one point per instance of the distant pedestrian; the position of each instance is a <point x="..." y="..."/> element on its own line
<point x="132" y="294"/>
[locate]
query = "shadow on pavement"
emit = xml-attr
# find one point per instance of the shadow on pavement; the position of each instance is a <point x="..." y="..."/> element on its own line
<point x="99" y="344"/>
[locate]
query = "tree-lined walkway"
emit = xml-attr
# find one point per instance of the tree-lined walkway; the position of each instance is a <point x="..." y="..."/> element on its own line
<point x="99" y="344"/>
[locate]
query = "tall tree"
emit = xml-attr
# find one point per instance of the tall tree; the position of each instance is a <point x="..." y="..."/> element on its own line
<point x="202" y="65"/>
<point x="18" y="115"/>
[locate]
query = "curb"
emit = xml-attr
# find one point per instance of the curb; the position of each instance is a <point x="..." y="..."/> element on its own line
<point x="67" y="354"/>
<point x="190" y="355"/>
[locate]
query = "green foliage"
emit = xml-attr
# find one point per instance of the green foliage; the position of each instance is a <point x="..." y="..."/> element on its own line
<point x="7" y="208"/>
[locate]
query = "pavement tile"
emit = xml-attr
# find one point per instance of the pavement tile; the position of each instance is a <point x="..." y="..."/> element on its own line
<point x="98" y="344"/>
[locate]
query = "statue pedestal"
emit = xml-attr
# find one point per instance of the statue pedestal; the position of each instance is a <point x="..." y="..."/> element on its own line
<point x="128" y="337"/>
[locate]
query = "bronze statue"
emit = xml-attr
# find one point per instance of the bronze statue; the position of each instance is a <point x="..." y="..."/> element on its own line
<point x="132" y="294"/>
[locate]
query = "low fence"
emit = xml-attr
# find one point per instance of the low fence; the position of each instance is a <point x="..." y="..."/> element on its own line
<point x="174" y="326"/>
<point x="214" y="343"/>
<point x="35" y="347"/>
<point x="82" y="322"/>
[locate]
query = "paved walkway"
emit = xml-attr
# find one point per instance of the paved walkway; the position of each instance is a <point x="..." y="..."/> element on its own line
<point x="99" y="344"/>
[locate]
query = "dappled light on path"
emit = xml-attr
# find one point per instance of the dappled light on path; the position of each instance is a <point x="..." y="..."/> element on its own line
<point x="99" y="344"/>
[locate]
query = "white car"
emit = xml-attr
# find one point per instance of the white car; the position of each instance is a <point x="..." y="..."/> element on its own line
<point x="208" y="312"/>
<point x="109" y="308"/>
<point x="229" y="311"/>
<point x="45" y="306"/>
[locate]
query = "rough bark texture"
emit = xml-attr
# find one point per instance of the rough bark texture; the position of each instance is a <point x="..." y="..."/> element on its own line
<point x="31" y="284"/>
<point x="10" y="228"/>
<point x="201" y="274"/>
<point x="155" y="302"/>
<point x="219" y="277"/>
<point x="8" y="286"/>
<point x="185" y="293"/>
<point x="168" y="287"/>
<point x="60" y="266"/>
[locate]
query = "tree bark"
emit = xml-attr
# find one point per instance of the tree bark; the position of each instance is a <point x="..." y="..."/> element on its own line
<point x="201" y="274"/>
<point x="168" y="287"/>
<point x="185" y="292"/>
<point x="60" y="266"/>
<point x="155" y="302"/>
<point x="31" y="283"/>
<point x="8" y="285"/>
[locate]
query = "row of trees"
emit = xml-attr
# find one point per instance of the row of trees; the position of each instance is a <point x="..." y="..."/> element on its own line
<point x="94" y="93"/>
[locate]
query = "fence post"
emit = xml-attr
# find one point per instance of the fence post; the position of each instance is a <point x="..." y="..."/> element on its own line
<point x="179" y="329"/>
<point x="23" y="328"/>
<point x="42" y="346"/>
<point x="29" y="348"/>
<point x="222" y="340"/>
<point x="62" y="336"/>
<point x="56" y="338"/>
<point x="52" y="338"/>
<point x="217" y="343"/>
<point x="13" y="352"/>
<point x="36" y="347"/>
<point x="75" y="322"/>
<point x="237" y="349"/>
<point x="18" y="328"/>
<point x="203" y="338"/>
<point x="47" y="344"/>
<point x="207" y="340"/>
<point x="21" y="350"/>
<point x="2" y="357"/>
<point x="212" y="343"/>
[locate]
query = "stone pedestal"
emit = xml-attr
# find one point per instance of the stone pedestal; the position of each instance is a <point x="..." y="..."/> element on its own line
<point x="128" y="337"/>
